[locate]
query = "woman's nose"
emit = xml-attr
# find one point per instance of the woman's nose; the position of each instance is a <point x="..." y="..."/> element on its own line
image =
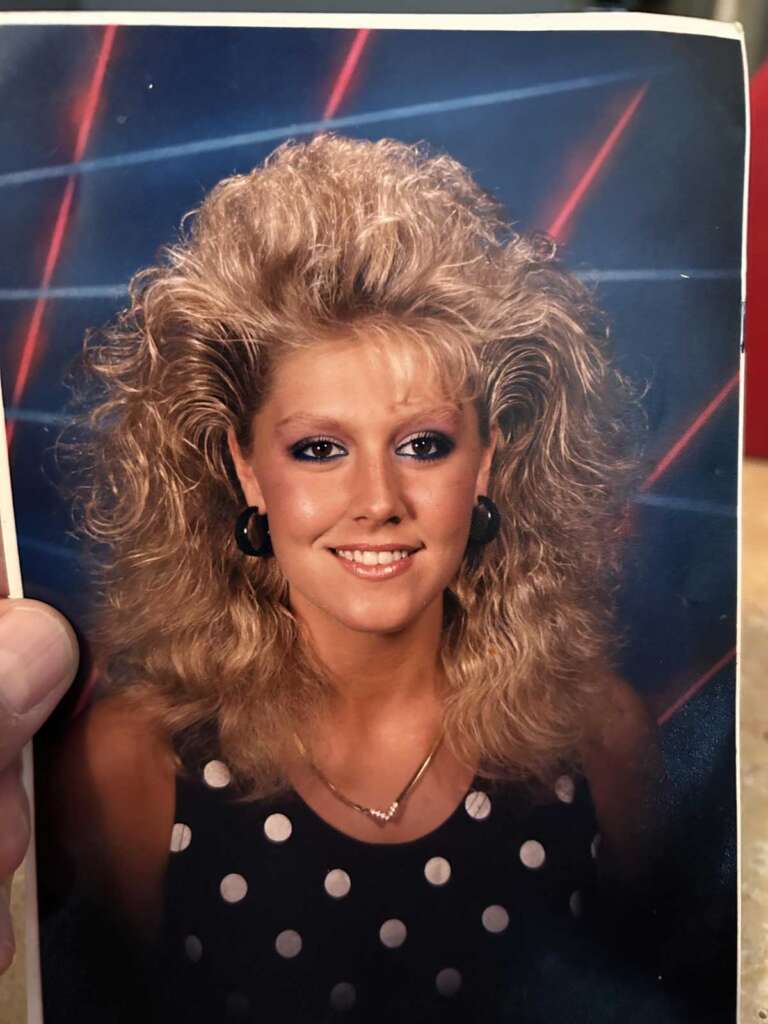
<point x="378" y="493"/>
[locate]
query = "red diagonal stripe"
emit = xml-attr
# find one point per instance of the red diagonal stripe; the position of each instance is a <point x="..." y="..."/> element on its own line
<point x="557" y="228"/>
<point x="688" y="435"/>
<point x="694" y="688"/>
<point x="94" y="91"/>
<point x="347" y="70"/>
<point x="33" y="331"/>
<point x="33" y="335"/>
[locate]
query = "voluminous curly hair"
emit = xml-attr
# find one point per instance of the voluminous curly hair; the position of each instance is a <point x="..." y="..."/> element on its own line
<point x="338" y="237"/>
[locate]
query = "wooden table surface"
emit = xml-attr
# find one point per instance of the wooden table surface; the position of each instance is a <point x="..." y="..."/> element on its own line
<point x="753" y="745"/>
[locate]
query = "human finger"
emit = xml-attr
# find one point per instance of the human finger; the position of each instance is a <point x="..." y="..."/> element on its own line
<point x="38" y="661"/>
<point x="14" y="839"/>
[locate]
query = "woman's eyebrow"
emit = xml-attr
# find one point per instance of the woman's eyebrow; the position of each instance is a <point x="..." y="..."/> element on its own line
<point x="449" y="413"/>
<point x="309" y="421"/>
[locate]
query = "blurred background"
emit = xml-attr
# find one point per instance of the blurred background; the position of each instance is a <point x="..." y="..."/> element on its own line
<point x="681" y="646"/>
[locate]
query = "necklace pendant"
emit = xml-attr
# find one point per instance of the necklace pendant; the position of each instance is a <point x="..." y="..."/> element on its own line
<point x="371" y="812"/>
<point x="384" y="816"/>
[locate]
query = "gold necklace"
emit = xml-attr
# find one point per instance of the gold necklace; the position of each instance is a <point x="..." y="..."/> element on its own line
<point x="372" y="812"/>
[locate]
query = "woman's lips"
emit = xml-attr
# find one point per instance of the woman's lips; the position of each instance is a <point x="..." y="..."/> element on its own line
<point x="360" y="563"/>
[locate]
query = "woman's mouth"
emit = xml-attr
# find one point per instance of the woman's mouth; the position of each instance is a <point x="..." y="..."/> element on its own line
<point x="373" y="563"/>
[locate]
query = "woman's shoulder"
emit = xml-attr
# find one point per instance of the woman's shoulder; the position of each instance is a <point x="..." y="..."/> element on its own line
<point x="622" y="761"/>
<point x="115" y="782"/>
<point x="618" y="722"/>
<point x="115" y="745"/>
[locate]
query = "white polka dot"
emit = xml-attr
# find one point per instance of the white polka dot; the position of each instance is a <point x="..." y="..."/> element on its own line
<point x="495" y="919"/>
<point x="565" y="789"/>
<point x="237" y="1004"/>
<point x="193" y="947"/>
<point x="233" y="888"/>
<point x="216" y="774"/>
<point x="448" y="981"/>
<point x="278" y="828"/>
<point x="594" y="848"/>
<point x="532" y="854"/>
<point x="337" y="883"/>
<point x="288" y="944"/>
<point x="477" y="804"/>
<point x="181" y="837"/>
<point x="392" y="933"/>
<point x="575" y="903"/>
<point x="343" y="996"/>
<point x="437" y="870"/>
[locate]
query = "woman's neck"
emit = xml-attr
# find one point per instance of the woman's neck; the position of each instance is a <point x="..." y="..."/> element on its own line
<point x="386" y="717"/>
<point x="379" y="676"/>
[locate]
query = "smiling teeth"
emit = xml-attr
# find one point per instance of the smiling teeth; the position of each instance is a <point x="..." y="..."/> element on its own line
<point x="372" y="557"/>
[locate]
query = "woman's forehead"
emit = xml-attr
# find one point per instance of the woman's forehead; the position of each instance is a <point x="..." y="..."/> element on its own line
<point x="396" y="369"/>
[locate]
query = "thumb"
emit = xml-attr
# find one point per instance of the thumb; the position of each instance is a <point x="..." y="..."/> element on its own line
<point x="38" y="661"/>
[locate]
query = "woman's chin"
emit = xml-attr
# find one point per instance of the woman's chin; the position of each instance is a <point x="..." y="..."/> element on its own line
<point x="378" y="625"/>
<point x="367" y="614"/>
<point x="379" y="617"/>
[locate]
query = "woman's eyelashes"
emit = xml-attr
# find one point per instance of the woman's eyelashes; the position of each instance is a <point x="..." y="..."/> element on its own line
<point x="426" y="446"/>
<point x="317" y="449"/>
<point x="423" y="447"/>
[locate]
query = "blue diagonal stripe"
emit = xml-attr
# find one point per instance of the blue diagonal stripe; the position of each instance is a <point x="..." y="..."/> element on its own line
<point x="242" y="139"/>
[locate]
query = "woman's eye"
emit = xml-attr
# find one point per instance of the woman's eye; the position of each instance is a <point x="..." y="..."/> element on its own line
<point x="426" y="447"/>
<point x="318" y="449"/>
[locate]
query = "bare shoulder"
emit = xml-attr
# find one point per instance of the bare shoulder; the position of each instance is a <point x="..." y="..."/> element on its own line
<point x="623" y="763"/>
<point x="618" y="721"/>
<point x="115" y="738"/>
<point x="115" y="782"/>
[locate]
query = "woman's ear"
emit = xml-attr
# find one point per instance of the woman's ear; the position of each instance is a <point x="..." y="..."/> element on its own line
<point x="484" y="473"/>
<point x="246" y="474"/>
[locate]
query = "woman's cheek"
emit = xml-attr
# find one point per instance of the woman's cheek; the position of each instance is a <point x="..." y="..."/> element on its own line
<point x="306" y="509"/>
<point x="449" y="507"/>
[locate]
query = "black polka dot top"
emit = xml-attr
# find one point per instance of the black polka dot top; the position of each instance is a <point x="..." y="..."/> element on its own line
<point x="274" y="915"/>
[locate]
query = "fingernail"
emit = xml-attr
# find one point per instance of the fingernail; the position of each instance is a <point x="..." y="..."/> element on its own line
<point x="38" y="657"/>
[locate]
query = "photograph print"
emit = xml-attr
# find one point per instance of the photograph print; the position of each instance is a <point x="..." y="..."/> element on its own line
<point x="372" y="400"/>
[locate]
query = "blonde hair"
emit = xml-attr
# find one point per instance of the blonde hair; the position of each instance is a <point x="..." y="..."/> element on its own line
<point x="382" y="238"/>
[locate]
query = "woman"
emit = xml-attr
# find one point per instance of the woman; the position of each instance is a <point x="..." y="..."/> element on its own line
<point x="360" y="465"/>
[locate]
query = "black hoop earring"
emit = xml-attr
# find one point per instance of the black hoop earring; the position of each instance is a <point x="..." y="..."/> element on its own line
<point x="485" y="522"/>
<point x="249" y="525"/>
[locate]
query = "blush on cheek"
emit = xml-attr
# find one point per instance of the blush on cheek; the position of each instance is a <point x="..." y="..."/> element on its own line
<point x="301" y="513"/>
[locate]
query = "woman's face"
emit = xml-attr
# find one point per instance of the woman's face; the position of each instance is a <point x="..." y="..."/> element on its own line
<point x="368" y="475"/>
